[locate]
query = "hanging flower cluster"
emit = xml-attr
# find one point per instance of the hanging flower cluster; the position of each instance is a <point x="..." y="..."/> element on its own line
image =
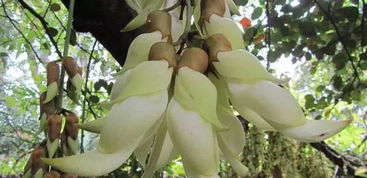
<point x="166" y="103"/>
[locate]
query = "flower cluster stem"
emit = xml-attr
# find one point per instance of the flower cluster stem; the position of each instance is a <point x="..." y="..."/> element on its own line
<point x="65" y="53"/>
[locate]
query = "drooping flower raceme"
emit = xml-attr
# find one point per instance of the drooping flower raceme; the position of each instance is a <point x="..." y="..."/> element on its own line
<point x="164" y="105"/>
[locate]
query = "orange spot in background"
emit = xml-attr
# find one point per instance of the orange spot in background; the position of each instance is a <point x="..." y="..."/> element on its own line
<point x="245" y="22"/>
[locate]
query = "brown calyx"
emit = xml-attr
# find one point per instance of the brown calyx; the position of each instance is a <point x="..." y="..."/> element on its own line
<point x="217" y="43"/>
<point x="70" y="66"/>
<point x="47" y="108"/>
<point x="70" y="126"/>
<point x="163" y="51"/>
<point x="52" y="174"/>
<point x="53" y="127"/>
<point x="160" y="20"/>
<point x="209" y="7"/>
<point x="69" y="176"/>
<point x="53" y="72"/>
<point x="194" y="58"/>
<point x="35" y="162"/>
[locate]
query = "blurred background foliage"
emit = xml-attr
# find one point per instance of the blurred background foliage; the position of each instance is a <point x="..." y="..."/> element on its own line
<point x="319" y="46"/>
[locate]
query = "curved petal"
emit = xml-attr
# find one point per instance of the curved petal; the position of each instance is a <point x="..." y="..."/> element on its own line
<point x="251" y="116"/>
<point x="195" y="92"/>
<point x="316" y="130"/>
<point x="146" y="78"/>
<point x="243" y="66"/>
<point x="231" y="31"/>
<point x="89" y="164"/>
<point x="196" y="15"/>
<point x="139" y="49"/>
<point x="273" y="103"/>
<point x="234" y="137"/>
<point x="168" y="153"/>
<point x="194" y="139"/>
<point x="142" y="152"/>
<point x="77" y="82"/>
<point x="119" y="84"/>
<point x="94" y="126"/>
<point x="177" y="25"/>
<point x="222" y="90"/>
<point x="129" y="120"/>
<point x="233" y="7"/>
<point x="52" y="90"/>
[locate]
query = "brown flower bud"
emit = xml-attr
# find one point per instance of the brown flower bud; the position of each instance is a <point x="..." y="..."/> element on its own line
<point x="53" y="127"/>
<point x="34" y="163"/>
<point x="53" y="72"/>
<point x="69" y="176"/>
<point x="209" y="7"/>
<point x="70" y="66"/>
<point x="47" y="108"/>
<point x="52" y="174"/>
<point x="194" y="58"/>
<point x="71" y="125"/>
<point x="160" y="20"/>
<point x="217" y="43"/>
<point x="163" y="51"/>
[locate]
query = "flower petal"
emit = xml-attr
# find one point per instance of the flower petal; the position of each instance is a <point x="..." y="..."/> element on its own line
<point x="316" y="130"/>
<point x="141" y="153"/>
<point x="194" y="139"/>
<point x="273" y="103"/>
<point x="222" y="90"/>
<point x="77" y="82"/>
<point x="195" y="92"/>
<point x="146" y="78"/>
<point x="233" y="7"/>
<point x="251" y="116"/>
<point x="231" y="31"/>
<point x="94" y="126"/>
<point x="243" y="66"/>
<point x="89" y="164"/>
<point x="234" y="137"/>
<point x="129" y="120"/>
<point x="52" y="90"/>
<point x="139" y="49"/>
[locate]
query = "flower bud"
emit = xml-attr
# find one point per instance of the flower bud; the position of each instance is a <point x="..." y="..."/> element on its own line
<point x="52" y="174"/>
<point x="53" y="127"/>
<point x="71" y="125"/>
<point x="217" y="43"/>
<point x="161" y="21"/>
<point x="163" y="51"/>
<point x="46" y="108"/>
<point x="194" y="58"/>
<point x="34" y="163"/>
<point x="70" y="66"/>
<point x="53" y="72"/>
<point x="209" y="7"/>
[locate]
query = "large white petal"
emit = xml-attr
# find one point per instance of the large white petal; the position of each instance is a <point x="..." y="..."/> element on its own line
<point x="89" y="164"/>
<point x="177" y="25"/>
<point x="119" y="84"/>
<point x="194" y="91"/>
<point x="129" y="120"/>
<point x="139" y="49"/>
<point x="227" y="27"/>
<point x="316" y="130"/>
<point x="243" y="66"/>
<point x="194" y="139"/>
<point x="272" y="102"/>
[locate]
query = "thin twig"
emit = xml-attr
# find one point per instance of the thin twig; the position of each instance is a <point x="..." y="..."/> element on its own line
<point x="44" y="24"/>
<point x="268" y="39"/>
<point x="85" y="95"/>
<point x="340" y="37"/>
<point x="21" y="33"/>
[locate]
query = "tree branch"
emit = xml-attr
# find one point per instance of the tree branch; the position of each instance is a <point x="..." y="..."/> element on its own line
<point x="19" y="31"/>
<point x="340" y="37"/>
<point x="44" y="24"/>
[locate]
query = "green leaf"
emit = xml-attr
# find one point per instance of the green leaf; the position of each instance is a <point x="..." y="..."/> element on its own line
<point x="55" y="7"/>
<point x="241" y="2"/>
<point x="307" y="28"/>
<point x="257" y="13"/>
<point x="3" y="54"/>
<point x="99" y="84"/>
<point x="52" y="31"/>
<point x="350" y="13"/>
<point x="340" y="60"/>
<point x="94" y="99"/>
<point x="310" y="101"/>
<point x="338" y="82"/>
